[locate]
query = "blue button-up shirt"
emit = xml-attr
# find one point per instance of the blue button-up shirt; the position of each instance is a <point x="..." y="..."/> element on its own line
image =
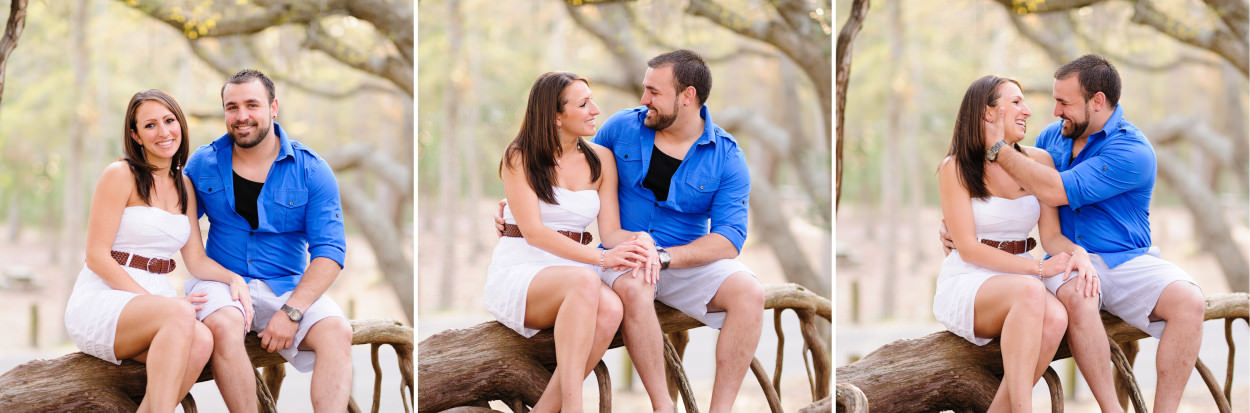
<point x="298" y="212"/>
<point x="1109" y="185"/>
<point x="708" y="192"/>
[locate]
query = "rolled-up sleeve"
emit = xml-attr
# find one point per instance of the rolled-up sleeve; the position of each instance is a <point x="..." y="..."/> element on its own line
<point x="324" y="218"/>
<point x="1120" y="167"/>
<point x="731" y="202"/>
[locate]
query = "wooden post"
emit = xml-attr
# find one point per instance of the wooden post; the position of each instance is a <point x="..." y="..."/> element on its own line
<point x="34" y="325"/>
<point x="855" y="301"/>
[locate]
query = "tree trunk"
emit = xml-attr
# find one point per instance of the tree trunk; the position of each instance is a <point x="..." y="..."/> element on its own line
<point x="12" y="32"/>
<point x="79" y="382"/>
<point x="942" y="371"/>
<point x="486" y="362"/>
<point x="846" y="38"/>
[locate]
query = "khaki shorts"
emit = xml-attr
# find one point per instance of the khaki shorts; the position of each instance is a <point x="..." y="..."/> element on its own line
<point x="266" y="304"/>
<point x="689" y="290"/>
<point x="1131" y="289"/>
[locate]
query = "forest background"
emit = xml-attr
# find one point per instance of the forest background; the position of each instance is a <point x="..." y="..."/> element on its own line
<point x="1184" y="69"/>
<point x="772" y="89"/>
<point x="344" y="80"/>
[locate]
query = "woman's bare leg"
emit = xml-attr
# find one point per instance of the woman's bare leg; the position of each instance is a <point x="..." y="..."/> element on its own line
<point x="1013" y="308"/>
<point x="157" y="331"/>
<point x="566" y="298"/>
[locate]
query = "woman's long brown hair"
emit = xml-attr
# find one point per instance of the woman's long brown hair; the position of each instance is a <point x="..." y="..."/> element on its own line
<point x="134" y="155"/>
<point x="537" y="144"/>
<point x="968" y="141"/>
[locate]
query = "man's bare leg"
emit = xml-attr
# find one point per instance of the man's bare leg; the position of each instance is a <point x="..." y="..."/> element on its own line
<point x="331" y="339"/>
<point x="232" y="369"/>
<point x="1088" y="341"/>
<point x="742" y="298"/>
<point x="1184" y="307"/>
<point x="643" y="338"/>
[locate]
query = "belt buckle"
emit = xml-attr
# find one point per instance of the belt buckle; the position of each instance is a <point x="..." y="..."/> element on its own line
<point x="581" y="238"/>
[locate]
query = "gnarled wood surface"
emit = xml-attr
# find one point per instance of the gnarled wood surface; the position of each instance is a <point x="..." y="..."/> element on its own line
<point x="942" y="371"/>
<point x="472" y="366"/>
<point x="79" y="382"/>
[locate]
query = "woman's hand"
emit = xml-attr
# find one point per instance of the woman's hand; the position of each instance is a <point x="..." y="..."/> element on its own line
<point x="197" y="300"/>
<point x="1055" y="265"/>
<point x="1087" y="282"/>
<point x="629" y="254"/>
<point x="239" y="292"/>
<point x="652" y="265"/>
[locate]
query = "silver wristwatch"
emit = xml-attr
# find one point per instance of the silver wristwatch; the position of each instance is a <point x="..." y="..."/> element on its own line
<point x="991" y="154"/>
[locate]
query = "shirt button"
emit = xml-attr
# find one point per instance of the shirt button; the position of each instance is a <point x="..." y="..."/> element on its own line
<point x="700" y="186"/>
<point x="626" y="156"/>
<point x="250" y="261"/>
<point x="1078" y="210"/>
<point x="290" y="203"/>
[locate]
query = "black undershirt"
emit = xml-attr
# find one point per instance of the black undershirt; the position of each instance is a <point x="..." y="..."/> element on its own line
<point x="660" y="174"/>
<point x="245" y="194"/>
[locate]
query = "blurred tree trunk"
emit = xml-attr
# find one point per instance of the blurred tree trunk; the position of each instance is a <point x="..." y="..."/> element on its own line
<point x="1228" y="40"/>
<point x="891" y="188"/>
<point x="846" y="39"/>
<point x="71" y="205"/>
<point x="12" y="32"/>
<point x="449" y="166"/>
<point x="1235" y="123"/>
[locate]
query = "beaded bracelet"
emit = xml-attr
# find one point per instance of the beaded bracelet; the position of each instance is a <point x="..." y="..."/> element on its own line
<point x="603" y="254"/>
<point x="1039" y="269"/>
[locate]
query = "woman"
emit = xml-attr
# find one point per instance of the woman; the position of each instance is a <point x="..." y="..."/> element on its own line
<point x="122" y="307"/>
<point x="990" y="286"/>
<point x="544" y="271"/>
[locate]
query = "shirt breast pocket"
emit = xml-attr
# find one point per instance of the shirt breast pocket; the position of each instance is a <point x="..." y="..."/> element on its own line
<point x="628" y="166"/>
<point x="289" y="207"/>
<point x="210" y="191"/>
<point x="695" y="193"/>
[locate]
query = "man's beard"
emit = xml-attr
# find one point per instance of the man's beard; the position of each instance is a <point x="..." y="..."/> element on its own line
<point x="259" y="132"/>
<point x="661" y="121"/>
<point x="1078" y="128"/>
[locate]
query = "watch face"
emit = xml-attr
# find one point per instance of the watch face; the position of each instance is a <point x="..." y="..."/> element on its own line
<point x="292" y="313"/>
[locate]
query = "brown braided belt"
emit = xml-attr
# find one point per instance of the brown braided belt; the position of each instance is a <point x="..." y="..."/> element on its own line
<point x="1013" y="247"/>
<point x="152" y="265"/>
<point x="512" y="230"/>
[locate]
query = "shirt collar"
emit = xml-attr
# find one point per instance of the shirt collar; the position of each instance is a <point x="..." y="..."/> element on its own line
<point x="284" y="144"/>
<point x="1113" y="122"/>
<point x="709" y="128"/>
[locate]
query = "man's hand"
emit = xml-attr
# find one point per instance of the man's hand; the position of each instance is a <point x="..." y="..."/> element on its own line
<point x="499" y="217"/>
<point x="944" y="235"/>
<point x="995" y="128"/>
<point x="279" y="334"/>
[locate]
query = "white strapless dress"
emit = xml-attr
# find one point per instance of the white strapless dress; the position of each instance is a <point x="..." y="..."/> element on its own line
<point x="515" y="263"/>
<point x="995" y="218"/>
<point x="93" y="308"/>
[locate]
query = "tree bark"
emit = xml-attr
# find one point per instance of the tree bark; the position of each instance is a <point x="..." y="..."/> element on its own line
<point x="942" y="371"/>
<point x="12" y="32"/>
<point x="393" y="20"/>
<point x="486" y="362"/>
<point x="79" y="382"/>
<point x="846" y="39"/>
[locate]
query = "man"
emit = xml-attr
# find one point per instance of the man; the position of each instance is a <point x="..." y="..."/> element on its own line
<point x="1102" y="182"/>
<point x="685" y="182"/>
<point x="273" y="205"/>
